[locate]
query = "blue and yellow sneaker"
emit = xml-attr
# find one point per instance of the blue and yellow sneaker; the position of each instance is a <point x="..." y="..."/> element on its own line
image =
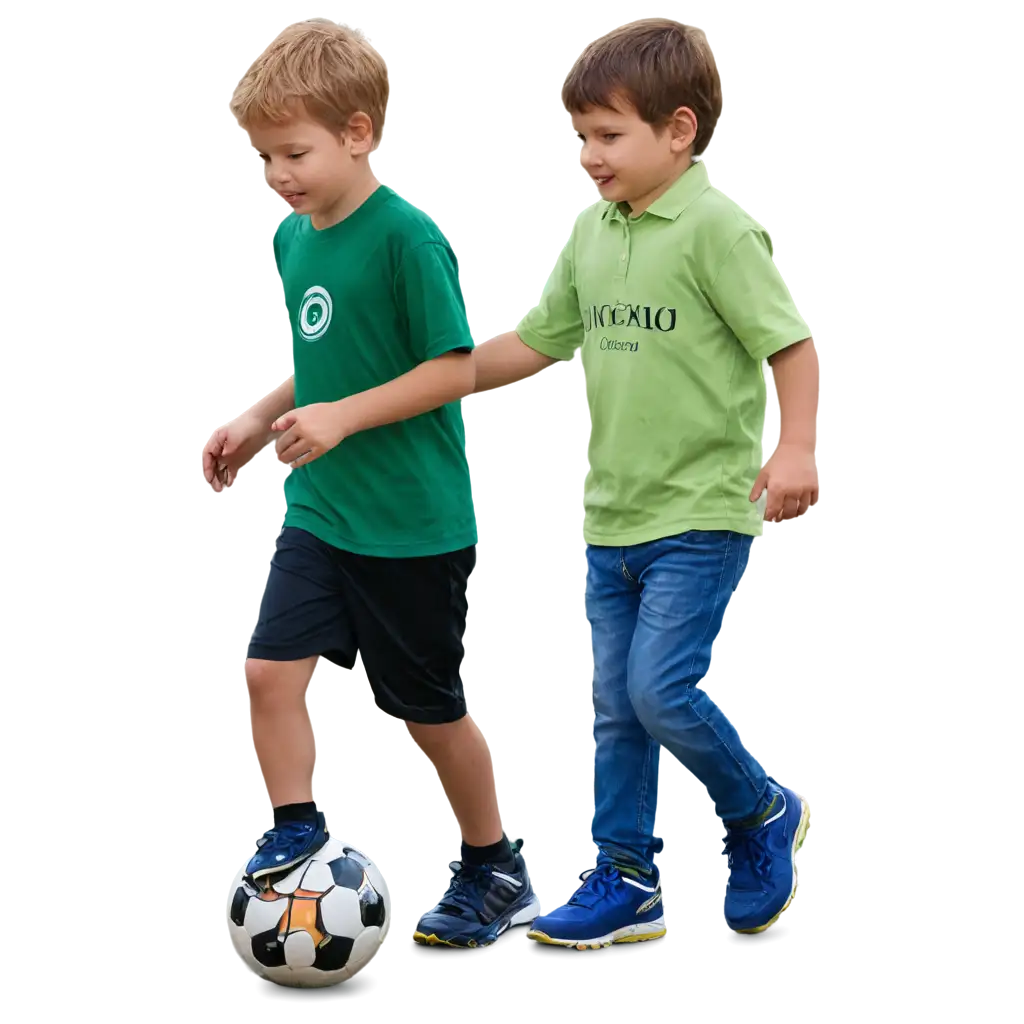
<point x="762" y="875"/>
<point x="480" y="904"/>
<point x="286" y="845"/>
<point x="612" y="905"/>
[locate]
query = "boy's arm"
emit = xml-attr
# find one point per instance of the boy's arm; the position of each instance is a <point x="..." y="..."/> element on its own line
<point x="276" y="404"/>
<point x="748" y="293"/>
<point x="550" y="331"/>
<point x="313" y="430"/>
<point x="791" y="475"/>
<point x="234" y="444"/>
<point x="446" y="378"/>
<point x="428" y="294"/>
<point x="796" y="374"/>
<point x="228" y="457"/>
<point x="427" y="285"/>
<point x="505" y="360"/>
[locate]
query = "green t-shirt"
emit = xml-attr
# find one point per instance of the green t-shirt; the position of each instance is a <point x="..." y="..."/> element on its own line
<point x="675" y="311"/>
<point x="370" y="299"/>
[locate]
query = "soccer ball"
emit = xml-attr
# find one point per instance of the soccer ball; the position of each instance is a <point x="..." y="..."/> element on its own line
<point x="316" y="926"/>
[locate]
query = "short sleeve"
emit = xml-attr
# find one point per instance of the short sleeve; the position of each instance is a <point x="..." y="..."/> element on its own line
<point x="748" y="293"/>
<point x="554" y="327"/>
<point x="427" y="290"/>
<point x="275" y="274"/>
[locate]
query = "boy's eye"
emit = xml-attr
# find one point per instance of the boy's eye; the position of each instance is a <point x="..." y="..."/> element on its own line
<point x="295" y="156"/>
<point x="611" y="137"/>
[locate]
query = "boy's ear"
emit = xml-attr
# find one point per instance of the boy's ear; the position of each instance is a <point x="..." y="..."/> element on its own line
<point x="683" y="126"/>
<point x="360" y="130"/>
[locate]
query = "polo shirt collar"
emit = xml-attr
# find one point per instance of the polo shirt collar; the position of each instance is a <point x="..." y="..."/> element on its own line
<point x="689" y="186"/>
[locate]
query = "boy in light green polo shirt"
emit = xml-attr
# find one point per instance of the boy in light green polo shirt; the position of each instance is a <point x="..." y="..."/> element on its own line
<point x="670" y="291"/>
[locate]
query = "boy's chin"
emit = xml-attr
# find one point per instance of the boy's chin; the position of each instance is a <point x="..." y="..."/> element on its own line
<point x="613" y="192"/>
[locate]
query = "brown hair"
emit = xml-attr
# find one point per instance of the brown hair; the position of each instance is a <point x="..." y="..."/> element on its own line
<point x="329" y="69"/>
<point x="657" y="65"/>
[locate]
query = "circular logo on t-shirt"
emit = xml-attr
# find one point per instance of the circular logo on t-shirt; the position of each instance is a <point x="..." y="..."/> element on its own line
<point x="315" y="313"/>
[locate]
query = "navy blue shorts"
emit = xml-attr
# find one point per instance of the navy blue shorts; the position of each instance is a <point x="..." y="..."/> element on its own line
<point x="406" y="618"/>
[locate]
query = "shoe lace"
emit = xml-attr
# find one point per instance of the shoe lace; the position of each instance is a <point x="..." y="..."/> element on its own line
<point x="597" y="884"/>
<point x="747" y="850"/>
<point x="464" y="892"/>
<point x="467" y="886"/>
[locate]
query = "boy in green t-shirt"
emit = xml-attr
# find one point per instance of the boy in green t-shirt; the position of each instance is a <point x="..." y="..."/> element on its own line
<point x="379" y="537"/>
<point x="670" y="290"/>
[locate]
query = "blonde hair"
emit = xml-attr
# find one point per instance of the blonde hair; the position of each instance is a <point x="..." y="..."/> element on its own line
<point x="330" y="70"/>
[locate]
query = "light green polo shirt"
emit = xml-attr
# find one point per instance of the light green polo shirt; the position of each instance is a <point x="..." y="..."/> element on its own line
<point x="675" y="310"/>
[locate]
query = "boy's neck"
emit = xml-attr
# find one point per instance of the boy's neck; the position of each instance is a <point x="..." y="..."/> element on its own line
<point x="641" y="205"/>
<point x="358" y="191"/>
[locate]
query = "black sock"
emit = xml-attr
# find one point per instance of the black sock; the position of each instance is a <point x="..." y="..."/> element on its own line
<point x="295" y="812"/>
<point x="499" y="853"/>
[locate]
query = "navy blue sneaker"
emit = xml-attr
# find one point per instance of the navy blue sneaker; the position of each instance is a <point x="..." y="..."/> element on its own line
<point x="608" y="907"/>
<point x="286" y="845"/>
<point x="762" y="875"/>
<point x="480" y="904"/>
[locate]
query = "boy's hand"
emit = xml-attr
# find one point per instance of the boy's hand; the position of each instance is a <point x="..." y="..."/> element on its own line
<point x="230" y="448"/>
<point x="792" y="481"/>
<point x="309" y="432"/>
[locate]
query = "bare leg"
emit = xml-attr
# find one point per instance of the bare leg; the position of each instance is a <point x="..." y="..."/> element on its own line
<point x="281" y="730"/>
<point x="487" y="901"/>
<point x="463" y="762"/>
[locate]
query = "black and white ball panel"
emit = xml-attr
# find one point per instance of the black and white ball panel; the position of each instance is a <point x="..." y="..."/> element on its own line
<point x="318" y="924"/>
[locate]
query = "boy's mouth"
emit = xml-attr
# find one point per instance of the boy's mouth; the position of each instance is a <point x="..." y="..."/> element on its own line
<point x="601" y="182"/>
<point x="292" y="197"/>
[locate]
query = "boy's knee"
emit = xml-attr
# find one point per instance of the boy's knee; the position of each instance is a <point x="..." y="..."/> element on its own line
<point x="431" y="737"/>
<point x="651" y="702"/>
<point x="274" y="680"/>
<point x="645" y="707"/>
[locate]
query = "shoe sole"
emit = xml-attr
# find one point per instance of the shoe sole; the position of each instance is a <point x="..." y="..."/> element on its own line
<point x="798" y="841"/>
<point x="631" y="933"/>
<point x="524" y="916"/>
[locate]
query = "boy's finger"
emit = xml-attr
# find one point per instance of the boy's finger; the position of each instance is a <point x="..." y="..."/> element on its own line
<point x="305" y="458"/>
<point x="214" y="447"/>
<point x="805" y="503"/>
<point x="286" y="439"/>
<point x="775" y="506"/>
<point x="759" y="485"/>
<point x="294" y="450"/>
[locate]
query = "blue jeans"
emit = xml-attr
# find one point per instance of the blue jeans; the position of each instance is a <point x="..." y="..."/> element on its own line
<point x="655" y="610"/>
